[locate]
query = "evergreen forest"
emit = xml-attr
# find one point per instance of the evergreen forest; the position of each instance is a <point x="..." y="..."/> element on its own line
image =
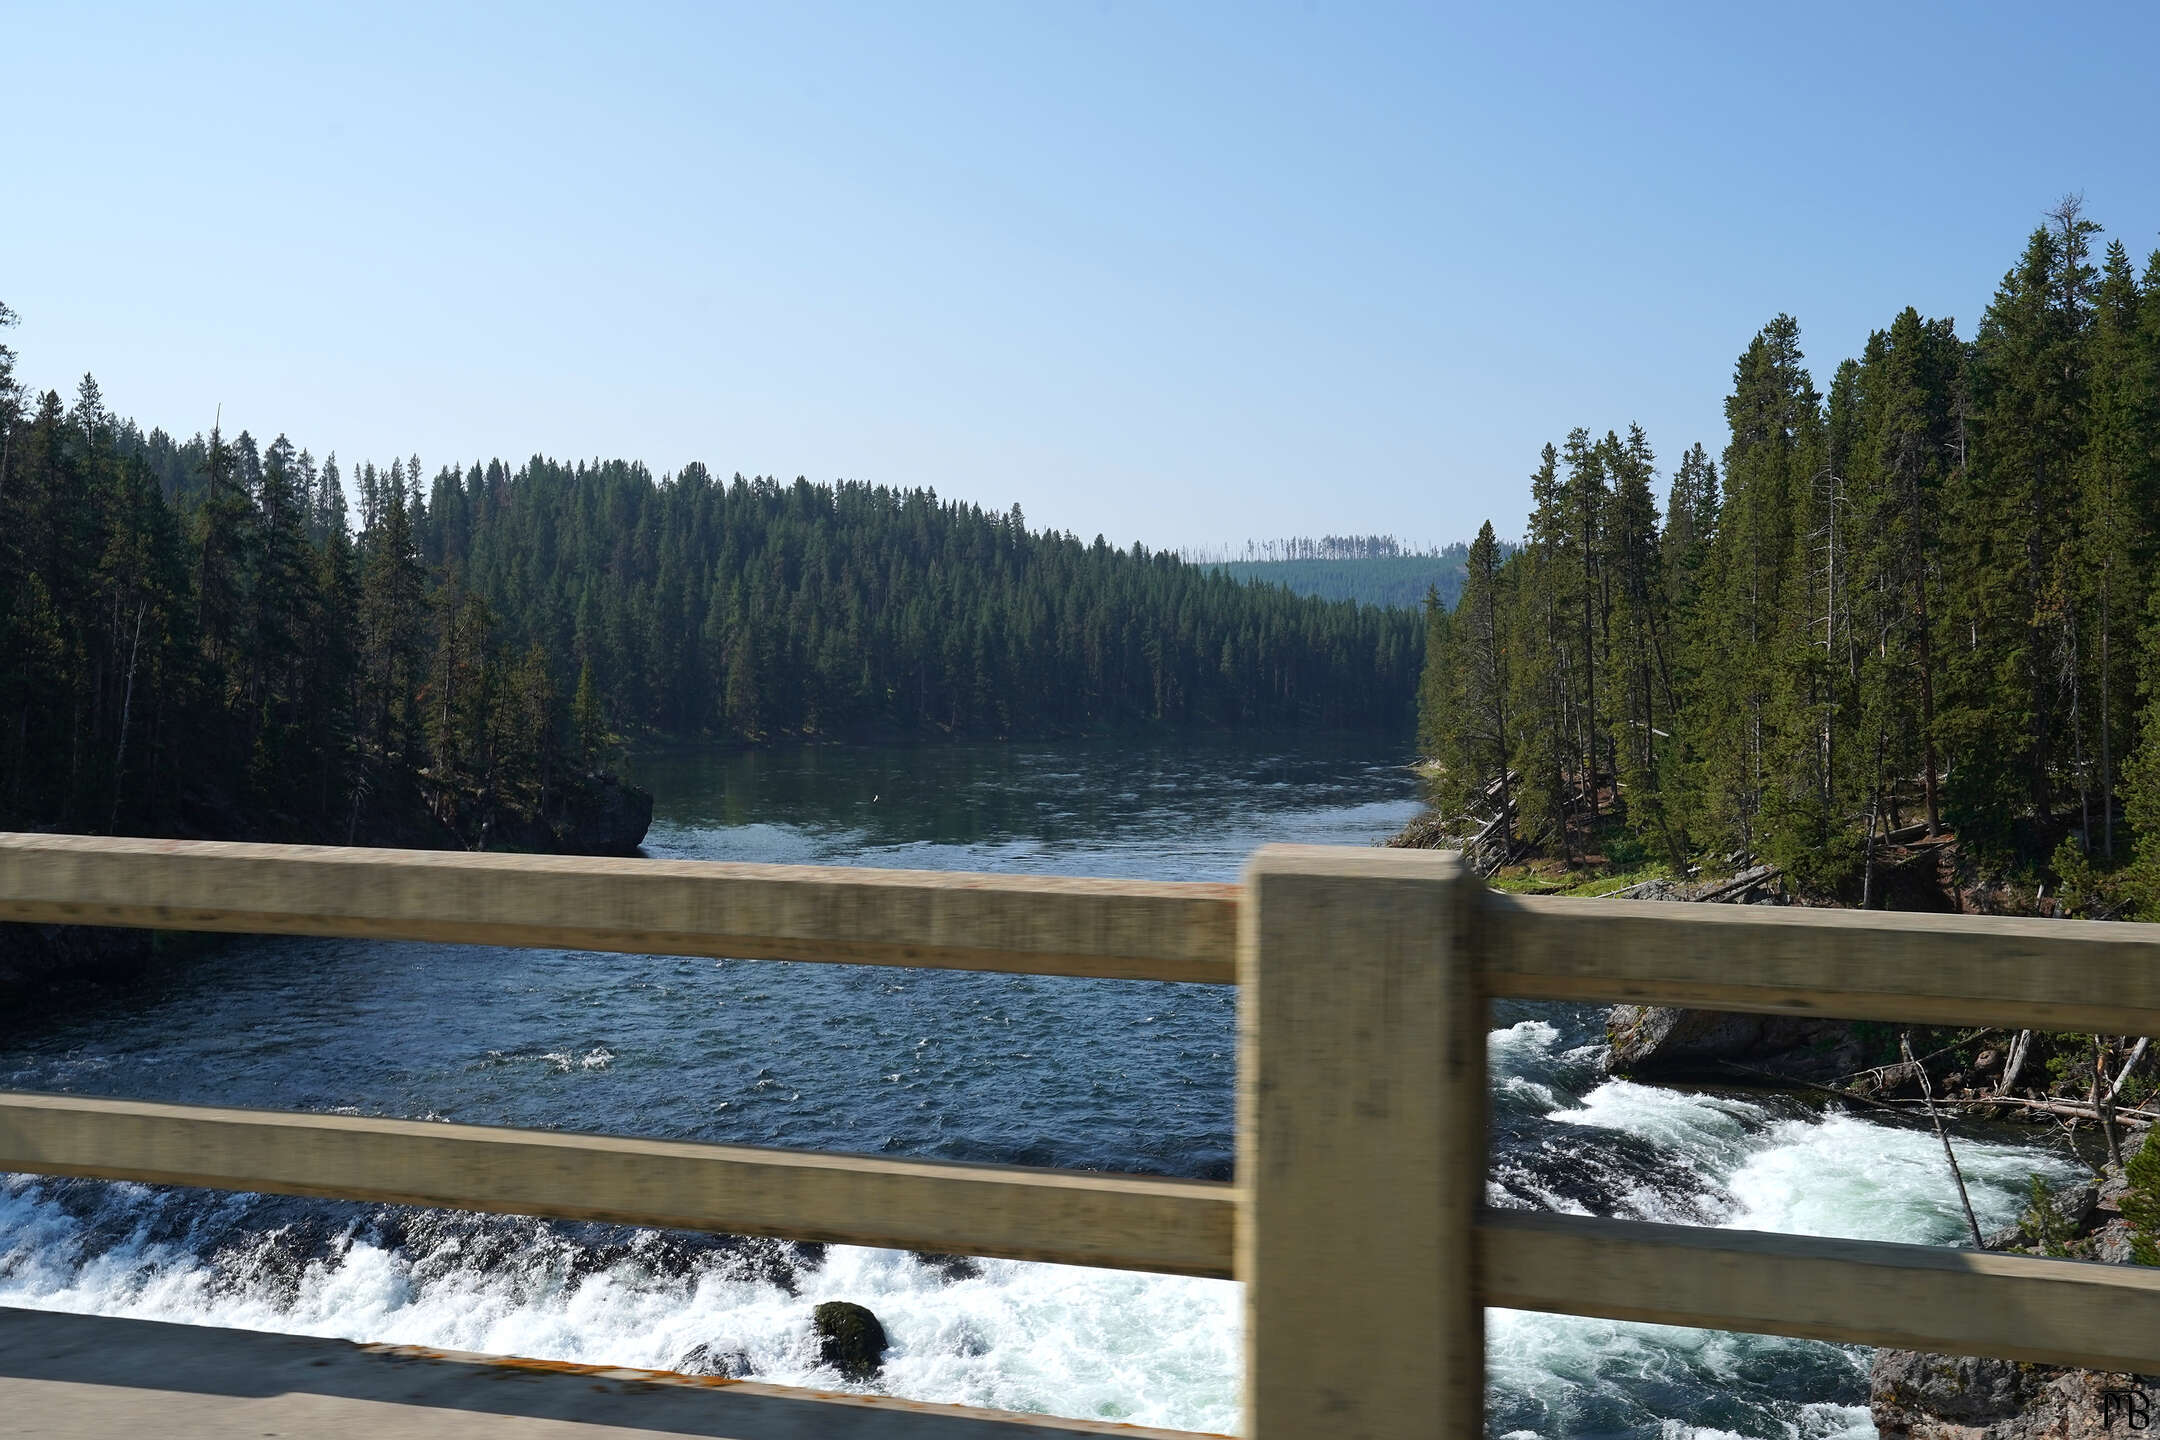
<point x="1922" y="604"/>
<point x="200" y="638"/>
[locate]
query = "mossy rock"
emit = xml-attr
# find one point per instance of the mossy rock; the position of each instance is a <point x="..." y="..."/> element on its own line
<point x="850" y="1338"/>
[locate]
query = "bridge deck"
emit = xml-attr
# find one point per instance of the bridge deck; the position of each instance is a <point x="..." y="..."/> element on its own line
<point x="96" y="1376"/>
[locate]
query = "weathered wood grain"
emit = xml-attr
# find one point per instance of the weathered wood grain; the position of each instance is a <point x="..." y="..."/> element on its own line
<point x="1361" y="1145"/>
<point x="1049" y="925"/>
<point x="1919" y="1297"/>
<point x="1181" y="1227"/>
<point x="2093" y="975"/>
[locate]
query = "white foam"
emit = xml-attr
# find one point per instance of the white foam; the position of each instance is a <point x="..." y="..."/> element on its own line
<point x="1515" y="1047"/>
<point x="1710" y="1133"/>
<point x="1152" y="1350"/>
<point x="1848" y="1177"/>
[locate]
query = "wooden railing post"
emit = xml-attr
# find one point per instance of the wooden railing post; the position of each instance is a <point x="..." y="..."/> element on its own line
<point x="1361" y="1145"/>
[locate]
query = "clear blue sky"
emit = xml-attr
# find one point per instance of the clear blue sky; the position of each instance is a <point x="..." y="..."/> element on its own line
<point x="1176" y="273"/>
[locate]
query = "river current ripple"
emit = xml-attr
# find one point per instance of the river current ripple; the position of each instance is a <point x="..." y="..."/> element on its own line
<point x="1017" y="1069"/>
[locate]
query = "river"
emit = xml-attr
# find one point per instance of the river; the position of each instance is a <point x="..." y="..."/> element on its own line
<point x="1029" y="1070"/>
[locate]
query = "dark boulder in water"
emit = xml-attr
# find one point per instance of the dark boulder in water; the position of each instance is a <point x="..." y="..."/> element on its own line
<point x="850" y="1338"/>
<point x="705" y="1360"/>
<point x="951" y="1267"/>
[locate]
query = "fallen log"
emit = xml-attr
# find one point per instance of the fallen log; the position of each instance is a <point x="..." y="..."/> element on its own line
<point x="1746" y="880"/>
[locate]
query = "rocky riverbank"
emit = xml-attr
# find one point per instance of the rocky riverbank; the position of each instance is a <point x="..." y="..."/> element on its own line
<point x="1912" y="1395"/>
<point x="1991" y="1075"/>
<point x="1915" y="1396"/>
<point x="1943" y="1397"/>
<point x="46" y="961"/>
<point x="596" y="814"/>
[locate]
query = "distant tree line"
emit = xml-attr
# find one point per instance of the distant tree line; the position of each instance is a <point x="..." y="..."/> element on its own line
<point x="197" y="638"/>
<point x="1326" y="547"/>
<point x="1400" y="580"/>
<point x="1925" y="600"/>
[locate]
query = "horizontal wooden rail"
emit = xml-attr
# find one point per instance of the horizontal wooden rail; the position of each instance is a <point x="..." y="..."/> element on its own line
<point x="1124" y="1222"/>
<point x="1862" y="1292"/>
<point x="1037" y="924"/>
<point x="1938" y="969"/>
<point x="2093" y="975"/>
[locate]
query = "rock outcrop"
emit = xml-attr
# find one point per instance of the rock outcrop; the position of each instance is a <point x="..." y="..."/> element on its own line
<point x="1657" y="1042"/>
<point x="41" y="963"/>
<point x="596" y="814"/>
<point x="1940" y="1397"/>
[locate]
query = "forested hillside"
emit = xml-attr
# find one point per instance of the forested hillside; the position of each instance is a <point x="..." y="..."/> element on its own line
<point x="749" y="609"/>
<point x="196" y="639"/>
<point x="1927" y="599"/>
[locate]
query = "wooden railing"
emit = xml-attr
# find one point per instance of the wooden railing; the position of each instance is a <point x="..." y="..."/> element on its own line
<point x="1355" y="1222"/>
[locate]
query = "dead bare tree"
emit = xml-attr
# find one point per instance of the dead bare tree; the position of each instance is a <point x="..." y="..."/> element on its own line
<point x="2103" y="1100"/>
<point x="2014" y="1061"/>
<point x="1927" y="1093"/>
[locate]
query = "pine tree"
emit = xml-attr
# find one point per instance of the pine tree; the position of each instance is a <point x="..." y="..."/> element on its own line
<point x="392" y="625"/>
<point x="2141" y="782"/>
<point x="220" y="555"/>
<point x="2117" y="465"/>
<point x="1440" y="712"/>
<point x="1691" y="509"/>
<point x="1736" y="726"/>
<point x="1640" y="677"/>
<point x="1480" y="725"/>
<point x="1547" y="753"/>
<point x="588" y="722"/>
<point x="2014" y="681"/>
<point x="1583" y="501"/>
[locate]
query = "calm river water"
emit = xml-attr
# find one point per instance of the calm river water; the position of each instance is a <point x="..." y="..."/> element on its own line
<point x="1040" y="1071"/>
